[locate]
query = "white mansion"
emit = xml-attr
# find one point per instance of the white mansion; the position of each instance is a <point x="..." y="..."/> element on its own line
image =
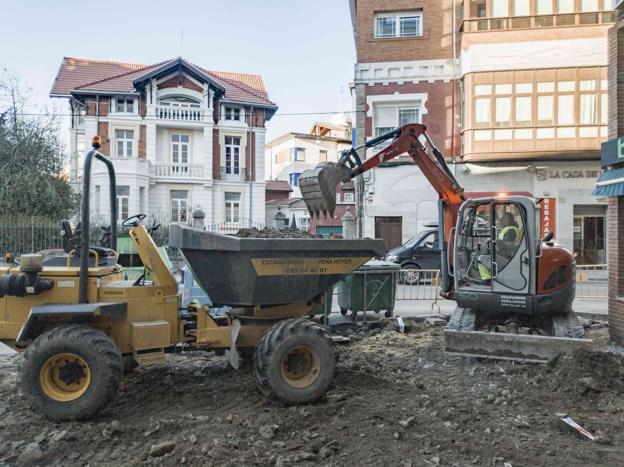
<point x="180" y="137"/>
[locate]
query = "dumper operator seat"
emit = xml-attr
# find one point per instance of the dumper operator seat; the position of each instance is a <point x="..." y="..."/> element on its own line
<point x="71" y="243"/>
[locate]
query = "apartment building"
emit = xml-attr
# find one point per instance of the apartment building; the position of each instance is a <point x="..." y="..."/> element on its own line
<point x="535" y="109"/>
<point x="292" y="153"/>
<point x="181" y="138"/>
<point x="531" y="92"/>
<point x="406" y="72"/>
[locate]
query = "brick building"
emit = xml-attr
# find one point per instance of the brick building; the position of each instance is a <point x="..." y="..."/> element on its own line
<point x="405" y="73"/>
<point x="611" y="182"/>
<point x="181" y="137"/>
<point x="535" y="93"/>
<point x="519" y="104"/>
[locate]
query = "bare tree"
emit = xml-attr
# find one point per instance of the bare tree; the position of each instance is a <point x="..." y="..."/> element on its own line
<point x="32" y="157"/>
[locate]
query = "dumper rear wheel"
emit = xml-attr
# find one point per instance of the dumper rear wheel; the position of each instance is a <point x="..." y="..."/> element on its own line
<point x="70" y="372"/>
<point x="295" y="361"/>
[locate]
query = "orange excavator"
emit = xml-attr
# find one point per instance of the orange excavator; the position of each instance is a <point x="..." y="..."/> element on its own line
<point x="514" y="290"/>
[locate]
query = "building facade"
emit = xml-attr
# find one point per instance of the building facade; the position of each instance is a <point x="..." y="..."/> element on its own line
<point x="535" y="109"/>
<point x="292" y="153"/>
<point x="406" y="72"/>
<point x="181" y="138"/>
<point x="610" y="185"/>
<point x="530" y="99"/>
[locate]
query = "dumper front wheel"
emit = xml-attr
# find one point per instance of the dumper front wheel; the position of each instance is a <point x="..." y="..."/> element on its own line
<point x="295" y="361"/>
<point x="70" y="372"/>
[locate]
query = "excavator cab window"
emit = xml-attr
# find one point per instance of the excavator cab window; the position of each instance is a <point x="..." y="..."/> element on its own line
<point x="491" y="249"/>
<point x="473" y="249"/>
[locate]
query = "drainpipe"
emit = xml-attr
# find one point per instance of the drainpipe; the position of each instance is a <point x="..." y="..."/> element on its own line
<point x="454" y="84"/>
<point x="250" y="169"/>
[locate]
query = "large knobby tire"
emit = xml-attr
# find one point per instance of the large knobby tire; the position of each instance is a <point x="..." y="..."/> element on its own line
<point x="70" y="372"/>
<point x="295" y="361"/>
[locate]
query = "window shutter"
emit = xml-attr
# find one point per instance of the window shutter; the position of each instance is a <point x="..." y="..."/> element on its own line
<point x="385" y="117"/>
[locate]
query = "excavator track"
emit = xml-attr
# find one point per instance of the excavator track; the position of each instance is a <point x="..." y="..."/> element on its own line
<point x="461" y="338"/>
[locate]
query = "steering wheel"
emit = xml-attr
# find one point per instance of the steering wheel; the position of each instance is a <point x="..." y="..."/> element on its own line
<point x="133" y="221"/>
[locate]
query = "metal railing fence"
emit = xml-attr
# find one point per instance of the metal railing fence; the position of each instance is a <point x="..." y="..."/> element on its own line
<point x="592" y="281"/>
<point x="20" y="238"/>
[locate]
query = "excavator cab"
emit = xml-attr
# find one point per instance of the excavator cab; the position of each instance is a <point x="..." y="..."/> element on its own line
<point x="492" y="251"/>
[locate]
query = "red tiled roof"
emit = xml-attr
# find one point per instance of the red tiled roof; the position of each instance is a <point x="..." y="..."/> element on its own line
<point x="84" y="75"/>
<point x="277" y="185"/>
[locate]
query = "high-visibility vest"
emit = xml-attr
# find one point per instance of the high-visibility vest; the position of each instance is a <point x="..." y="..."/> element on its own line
<point x="504" y="230"/>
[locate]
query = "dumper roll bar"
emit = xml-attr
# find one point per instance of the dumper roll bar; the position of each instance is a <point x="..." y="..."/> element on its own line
<point x="86" y="214"/>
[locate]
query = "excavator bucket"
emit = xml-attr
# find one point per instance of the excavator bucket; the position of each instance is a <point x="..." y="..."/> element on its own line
<point x="318" y="187"/>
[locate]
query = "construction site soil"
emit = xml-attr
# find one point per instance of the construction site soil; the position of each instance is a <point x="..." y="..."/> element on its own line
<point x="273" y="233"/>
<point x="397" y="400"/>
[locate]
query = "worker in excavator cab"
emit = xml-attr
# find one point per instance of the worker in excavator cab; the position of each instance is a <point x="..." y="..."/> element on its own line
<point x="507" y="242"/>
<point x="509" y="233"/>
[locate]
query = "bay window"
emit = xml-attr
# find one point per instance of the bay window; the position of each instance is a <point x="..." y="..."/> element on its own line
<point x="540" y="104"/>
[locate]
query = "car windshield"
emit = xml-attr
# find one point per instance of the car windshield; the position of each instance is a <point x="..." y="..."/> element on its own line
<point x="414" y="240"/>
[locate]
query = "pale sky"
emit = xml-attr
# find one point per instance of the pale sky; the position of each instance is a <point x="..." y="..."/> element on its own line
<point x="304" y="50"/>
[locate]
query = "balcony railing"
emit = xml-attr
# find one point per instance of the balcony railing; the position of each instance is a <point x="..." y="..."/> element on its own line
<point x="234" y="174"/>
<point x="177" y="171"/>
<point x="540" y="21"/>
<point x="183" y="114"/>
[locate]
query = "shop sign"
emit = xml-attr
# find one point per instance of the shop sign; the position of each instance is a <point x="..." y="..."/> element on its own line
<point x="545" y="174"/>
<point x="548" y="217"/>
<point x="612" y="152"/>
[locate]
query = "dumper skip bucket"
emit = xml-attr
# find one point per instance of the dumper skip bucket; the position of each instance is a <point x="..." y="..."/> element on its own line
<point x="268" y="271"/>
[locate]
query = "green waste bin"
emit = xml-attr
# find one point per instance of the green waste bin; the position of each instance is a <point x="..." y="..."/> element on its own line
<point x="372" y="287"/>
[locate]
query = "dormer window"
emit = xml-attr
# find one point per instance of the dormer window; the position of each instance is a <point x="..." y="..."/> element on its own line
<point x="233" y="113"/>
<point x="124" y="105"/>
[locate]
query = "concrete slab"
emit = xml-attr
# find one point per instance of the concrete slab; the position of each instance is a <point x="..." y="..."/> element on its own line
<point x="5" y="350"/>
<point x="529" y="348"/>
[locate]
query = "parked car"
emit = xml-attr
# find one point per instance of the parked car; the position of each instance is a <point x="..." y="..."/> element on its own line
<point x="419" y="252"/>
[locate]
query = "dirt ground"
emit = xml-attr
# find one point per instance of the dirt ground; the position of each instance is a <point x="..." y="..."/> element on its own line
<point x="273" y="233"/>
<point x="398" y="400"/>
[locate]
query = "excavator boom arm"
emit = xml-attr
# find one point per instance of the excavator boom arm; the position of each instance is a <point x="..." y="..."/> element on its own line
<point x="319" y="185"/>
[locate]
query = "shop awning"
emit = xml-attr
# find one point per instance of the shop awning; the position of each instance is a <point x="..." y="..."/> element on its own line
<point x="610" y="183"/>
